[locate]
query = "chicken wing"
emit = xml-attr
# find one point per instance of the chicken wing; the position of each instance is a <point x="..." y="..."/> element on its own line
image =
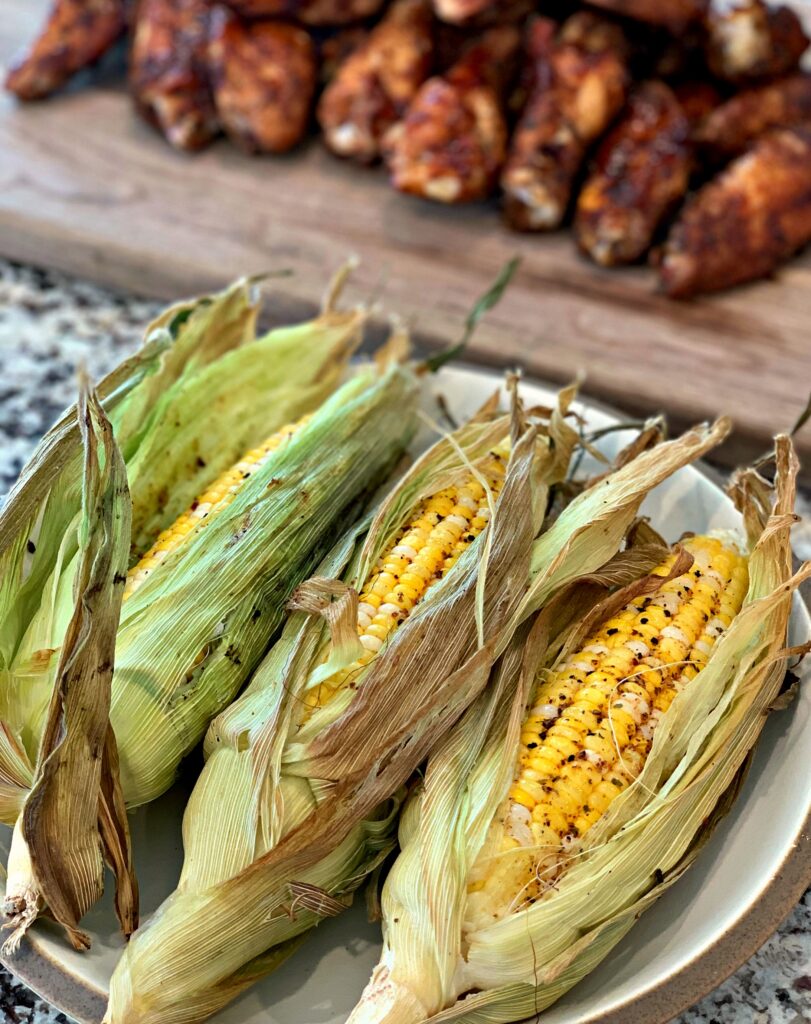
<point x="452" y="141"/>
<point x="75" y="35"/>
<point x="747" y="221"/>
<point x="263" y="75"/>
<point x="753" y="41"/>
<point x="308" y="12"/>
<point x="674" y="15"/>
<point x="168" y="71"/>
<point x="337" y="48"/>
<point x="372" y="89"/>
<point x="482" y="13"/>
<point x="641" y="172"/>
<point x="735" y="124"/>
<point x="580" y="82"/>
<point x="698" y="99"/>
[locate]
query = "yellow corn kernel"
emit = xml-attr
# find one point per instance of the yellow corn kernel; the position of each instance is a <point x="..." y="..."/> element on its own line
<point x="212" y="501"/>
<point x="571" y="768"/>
<point x="425" y="549"/>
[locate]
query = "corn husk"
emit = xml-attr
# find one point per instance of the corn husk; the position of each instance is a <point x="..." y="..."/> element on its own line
<point x="285" y="823"/>
<point x="649" y="836"/>
<point x="75" y="792"/>
<point x="276" y="811"/>
<point x="201" y="391"/>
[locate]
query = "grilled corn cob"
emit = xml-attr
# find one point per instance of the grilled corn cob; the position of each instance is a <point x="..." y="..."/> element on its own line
<point x="217" y="497"/>
<point x="413" y="548"/>
<point x="207" y="590"/>
<point x="301" y="768"/>
<point x="572" y="794"/>
<point x="591" y="724"/>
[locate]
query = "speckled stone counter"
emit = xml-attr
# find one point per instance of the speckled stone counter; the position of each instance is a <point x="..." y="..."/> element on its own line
<point x="48" y="326"/>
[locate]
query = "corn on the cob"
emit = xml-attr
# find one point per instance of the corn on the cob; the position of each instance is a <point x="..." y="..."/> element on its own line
<point x="268" y="755"/>
<point x="442" y="529"/>
<point x="592" y="721"/>
<point x="289" y="793"/>
<point x="208" y="589"/>
<point x="569" y="797"/>
<point x="211" y="502"/>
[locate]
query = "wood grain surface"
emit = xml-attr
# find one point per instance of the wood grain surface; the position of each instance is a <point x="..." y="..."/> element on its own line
<point x="86" y="188"/>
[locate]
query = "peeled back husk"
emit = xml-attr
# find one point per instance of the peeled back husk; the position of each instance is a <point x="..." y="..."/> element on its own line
<point x="520" y="964"/>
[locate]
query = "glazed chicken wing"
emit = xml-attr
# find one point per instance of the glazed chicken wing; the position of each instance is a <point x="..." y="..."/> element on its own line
<point x="754" y="41"/>
<point x="373" y="87"/>
<point x="746" y="222"/>
<point x="735" y="124"/>
<point x="452" y="141"/>
<point x="168" y="70"/>
<point x="580" y="82"/>
<point x="75" y="35"/>
<point x="308" y="12"/>
<point x="263" y="75"/>
<point x="674" y="15"/>
<point x="641" y="172"/>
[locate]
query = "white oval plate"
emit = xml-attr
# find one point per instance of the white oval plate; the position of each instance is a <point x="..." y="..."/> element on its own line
<point x="321" y="983"/>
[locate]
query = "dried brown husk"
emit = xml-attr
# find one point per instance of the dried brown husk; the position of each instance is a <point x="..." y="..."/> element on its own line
<point x="74" y="816"/>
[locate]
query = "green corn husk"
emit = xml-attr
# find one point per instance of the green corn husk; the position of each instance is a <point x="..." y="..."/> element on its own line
<point x="201" y="391"/>
<point x="649" y="836"/>
<point x="286" y="822"/>
<point x="277" y="812"/>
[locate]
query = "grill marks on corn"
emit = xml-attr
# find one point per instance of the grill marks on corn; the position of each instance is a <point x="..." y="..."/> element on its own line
<point x="212" y="501"/>
<point x="592" y="720"/>
<point x="443" y="527"/>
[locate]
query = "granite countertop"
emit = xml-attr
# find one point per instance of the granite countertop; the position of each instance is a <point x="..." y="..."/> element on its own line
<point x="50" y="324"/>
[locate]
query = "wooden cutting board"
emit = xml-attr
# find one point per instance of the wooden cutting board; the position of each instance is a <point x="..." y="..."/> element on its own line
<point x="86" y="188"/>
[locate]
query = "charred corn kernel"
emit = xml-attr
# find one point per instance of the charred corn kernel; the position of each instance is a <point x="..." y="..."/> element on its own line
<point x="443" y="526"/>
<point x="213" y="500"/>
<point x="591" y="721"/>
<point x="551" y="816"/>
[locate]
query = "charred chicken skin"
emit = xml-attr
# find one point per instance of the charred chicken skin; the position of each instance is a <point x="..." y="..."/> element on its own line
<point x="263" y="76"/>
<point x="75" y="35"/>
<point x="754" y="41"/>
<point x="452" y="141"/>
<point x="641" y="173"/>
<point x="746" y="222"/>
<point x="372" y="89"/>
<point x="730" y="128"/>
<point x="580" y="82"/>
<point x="168" y="70"/>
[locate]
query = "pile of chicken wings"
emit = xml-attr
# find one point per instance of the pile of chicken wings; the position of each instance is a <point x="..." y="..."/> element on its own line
<point x="669" y="130"/>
